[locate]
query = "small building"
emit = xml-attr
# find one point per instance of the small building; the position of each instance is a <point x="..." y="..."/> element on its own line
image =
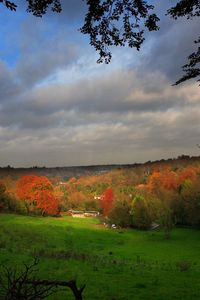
<point x="82" y="214"/>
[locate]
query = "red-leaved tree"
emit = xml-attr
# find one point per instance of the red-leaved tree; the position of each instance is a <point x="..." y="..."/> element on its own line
<point x="106" y="201"/>
<point x="38" y="192"/>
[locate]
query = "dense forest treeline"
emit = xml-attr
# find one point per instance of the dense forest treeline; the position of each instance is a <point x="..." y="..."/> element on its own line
<point x="164" y="192"/>
<point x="77" y="171"/>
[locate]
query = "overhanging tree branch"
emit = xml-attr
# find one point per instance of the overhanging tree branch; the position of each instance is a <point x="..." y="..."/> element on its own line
<point x="9" y="4"/>
<point x="117" y="23"/>
<point x="188" y="9"/>
<point x="121" y="23"/>
<point x="192" y="68"/>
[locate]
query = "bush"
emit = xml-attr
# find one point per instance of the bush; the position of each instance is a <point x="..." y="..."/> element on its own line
<point x="190" y="200"/>
<point x="166" y="221"/>
<point x="184" y="266"/>
<point x="144" y="211"/>
<point x="2" y="188"/>
<point x="91" y="204"/>
<point x="120" y="214"/>
<point x="8" y="203"/>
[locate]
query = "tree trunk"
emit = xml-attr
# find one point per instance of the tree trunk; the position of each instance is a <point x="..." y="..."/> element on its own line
<point x="71" y="284"/>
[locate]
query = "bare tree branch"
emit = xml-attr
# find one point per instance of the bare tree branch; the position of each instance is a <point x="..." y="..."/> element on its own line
<point x="25" y="285"/>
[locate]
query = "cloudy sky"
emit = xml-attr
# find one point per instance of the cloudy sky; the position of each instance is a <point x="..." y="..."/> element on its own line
<point x="59" y="108"/>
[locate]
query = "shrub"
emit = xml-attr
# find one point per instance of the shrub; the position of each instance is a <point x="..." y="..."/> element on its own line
<point x="141" y="213"/>
<point x="91" y="204"/>
<point x="8" y="203"/>
<point x="120" y="214"/>
<point x="166" y="221"/>
<point x="183" y="266"/>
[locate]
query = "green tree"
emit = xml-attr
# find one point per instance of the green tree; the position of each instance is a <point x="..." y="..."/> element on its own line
<point x="166" y="221"/>
<point x="8" y="203"/>
<point x="120" y="213"/>
<point x="141" y="212"/>
<point x="190" y="199"/>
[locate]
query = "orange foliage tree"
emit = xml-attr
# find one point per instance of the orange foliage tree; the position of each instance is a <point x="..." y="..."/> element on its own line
<point x="166" y="179"/>
<point x="77" y="199"/>
<point x="37" y="191"/>
<point x="107" y="201"/>
<point x="187" y="173"/>
<point x="169" y="179"/>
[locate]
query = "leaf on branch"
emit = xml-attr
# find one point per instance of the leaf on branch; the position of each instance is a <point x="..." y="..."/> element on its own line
<point x="117" y="23"/>
<point x="39" y="8"/>
<point x="191" y="69"/>
<point x="10" y="5"/>
<point x="188" y="8"/>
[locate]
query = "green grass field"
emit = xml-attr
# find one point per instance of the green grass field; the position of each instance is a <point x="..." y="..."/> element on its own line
<point x="114" y="264"/>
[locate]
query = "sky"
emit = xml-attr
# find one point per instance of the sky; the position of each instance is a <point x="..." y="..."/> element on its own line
<point x="58" y="107"/>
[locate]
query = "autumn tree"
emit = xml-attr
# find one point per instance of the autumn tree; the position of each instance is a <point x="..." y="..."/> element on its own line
<point x="122" y="23"/>
<point x="24" y="190"/>
<point x="76" y="200"/>
<point x="76" y="193"/>
<point x="187" y="173"/>
<point x="178" y="193"/>
<point x="37" y="192"/>
<point x="106" y="201"/>
<point x="166" y="179"/>
<point x="2" y="187"/>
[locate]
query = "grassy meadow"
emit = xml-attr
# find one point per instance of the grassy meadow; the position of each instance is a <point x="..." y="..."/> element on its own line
<point x="114" y="264"/>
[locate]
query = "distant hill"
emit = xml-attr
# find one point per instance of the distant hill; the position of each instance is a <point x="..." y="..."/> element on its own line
<point x="63" y="172"/>
<point x="78" y="171"/>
